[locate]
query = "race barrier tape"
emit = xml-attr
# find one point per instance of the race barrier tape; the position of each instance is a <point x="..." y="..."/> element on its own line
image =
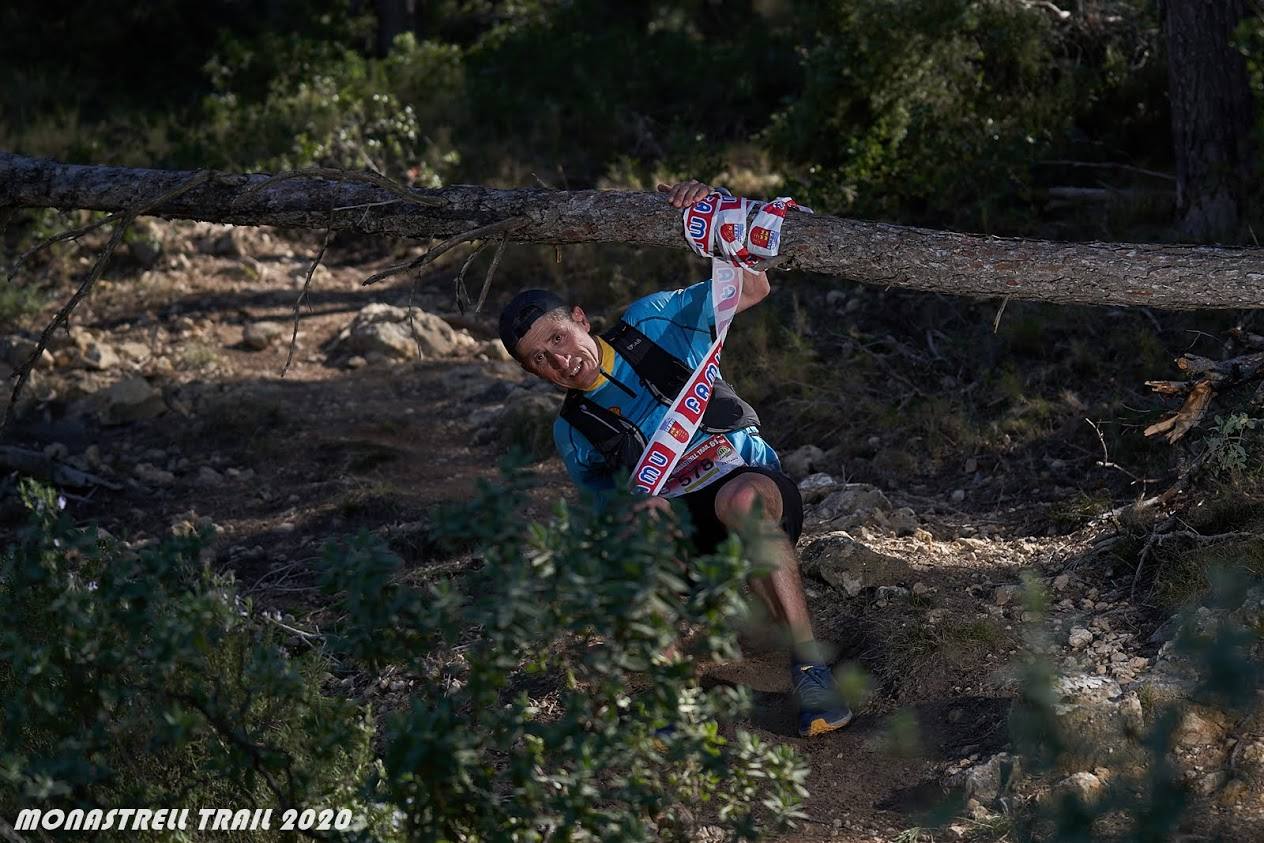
<point x="735" y="233"/>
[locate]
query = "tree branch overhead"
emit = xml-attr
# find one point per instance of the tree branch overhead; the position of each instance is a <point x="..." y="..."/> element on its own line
<point x="1174" y="277"/>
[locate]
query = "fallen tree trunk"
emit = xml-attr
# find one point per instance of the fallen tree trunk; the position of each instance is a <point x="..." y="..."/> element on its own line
<point x="1164" y="276"/>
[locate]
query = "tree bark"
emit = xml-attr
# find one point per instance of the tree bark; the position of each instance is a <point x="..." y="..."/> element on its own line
<point x="1164" y="276"/>
<point x="1211" y="115"/>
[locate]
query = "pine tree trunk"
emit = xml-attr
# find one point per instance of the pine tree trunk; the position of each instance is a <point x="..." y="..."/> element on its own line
<point x="1211" y="116"/>
<point x="1177" y="277"/>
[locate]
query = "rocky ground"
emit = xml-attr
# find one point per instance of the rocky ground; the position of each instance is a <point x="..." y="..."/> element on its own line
<point x="164" y="408"/>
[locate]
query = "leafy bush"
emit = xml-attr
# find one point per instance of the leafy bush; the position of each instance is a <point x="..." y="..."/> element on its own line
<point x="1226" y="444"/>
<point x="937" y="109"/>
<point x="138" y="677"/>
<point x="546" y="683"/>
<point x="333" y="107"/>
<point x="894" y="90"/>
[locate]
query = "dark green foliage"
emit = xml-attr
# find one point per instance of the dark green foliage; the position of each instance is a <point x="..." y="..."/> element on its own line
<point x="894" y="90"/>
<point x="948" y="112"/>
<point x="538" y="715"/>
<point x="138" y="677"/>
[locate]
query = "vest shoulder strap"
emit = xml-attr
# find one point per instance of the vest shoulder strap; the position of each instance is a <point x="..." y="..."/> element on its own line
<point x="662" y="372"/>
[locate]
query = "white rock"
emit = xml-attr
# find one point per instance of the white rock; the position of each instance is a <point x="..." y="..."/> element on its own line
<point x="259" y="335"/>
<point x="1005" y="594"/>
<point x="154" y="475"/>
<point x="803" y="461"/>
<point x="1084" y="785"/>
<point x="209" y="476"/>
<point x="384" y="330"/>
<point x="814" y="487"/>
<point x="1196" y="731"/>
<point x="131" y="399"/>
<point x="98" y="357"/>
<point x="1079" y="638"/>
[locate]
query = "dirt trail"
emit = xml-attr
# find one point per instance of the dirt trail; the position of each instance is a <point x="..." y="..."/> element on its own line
<point x="332" y="449"/>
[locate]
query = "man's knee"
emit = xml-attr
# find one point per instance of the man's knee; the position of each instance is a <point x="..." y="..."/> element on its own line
<point x="746" y="494"/>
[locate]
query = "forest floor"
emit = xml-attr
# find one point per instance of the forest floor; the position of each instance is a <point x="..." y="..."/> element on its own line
<point x="923" y="590"/>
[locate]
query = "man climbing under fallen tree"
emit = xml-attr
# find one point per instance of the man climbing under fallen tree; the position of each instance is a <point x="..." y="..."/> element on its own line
<point x="620" y="390"/>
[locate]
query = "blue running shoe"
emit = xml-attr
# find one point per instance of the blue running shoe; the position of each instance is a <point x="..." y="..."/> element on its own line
<point x="821" y="707"/>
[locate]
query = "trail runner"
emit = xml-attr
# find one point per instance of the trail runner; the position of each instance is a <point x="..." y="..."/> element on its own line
<point x="619" y="388"/>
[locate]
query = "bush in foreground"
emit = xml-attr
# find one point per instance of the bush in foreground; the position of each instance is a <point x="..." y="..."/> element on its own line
<point x="138" y="677"/>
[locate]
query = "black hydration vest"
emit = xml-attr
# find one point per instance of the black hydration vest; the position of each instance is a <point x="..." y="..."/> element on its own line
<point x="618" y="440"/>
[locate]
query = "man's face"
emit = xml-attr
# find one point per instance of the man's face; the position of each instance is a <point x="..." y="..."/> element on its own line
<point x="561" y="351"/>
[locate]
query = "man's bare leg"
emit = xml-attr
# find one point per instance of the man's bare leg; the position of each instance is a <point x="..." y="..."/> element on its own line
<point x="821" y="707"/>
<point x="781" y="591"/>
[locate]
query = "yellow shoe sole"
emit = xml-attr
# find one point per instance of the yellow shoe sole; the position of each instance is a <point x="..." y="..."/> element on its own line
<point x="820" y="726"/>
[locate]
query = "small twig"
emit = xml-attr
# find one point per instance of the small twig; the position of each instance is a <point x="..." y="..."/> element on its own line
<point x="1105" y="461"/>
<point x="333" y="174"/>
<point x="412" y="322"/>
<point x="125" y="220"/>
<point x="491" y="271"/>
<point x="1162" y="534"/>
<point x="435" y="251"/>
<point x="459" y="291"/>
<point x="281" y="572"/>
<point x="302" y="296"/>
<point x="72" y="234"/>
<point x="996" y="323"/>
<point x="309" y="638"/>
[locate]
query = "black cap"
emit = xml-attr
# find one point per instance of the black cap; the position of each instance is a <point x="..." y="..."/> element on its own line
<point x="520" y="314"/>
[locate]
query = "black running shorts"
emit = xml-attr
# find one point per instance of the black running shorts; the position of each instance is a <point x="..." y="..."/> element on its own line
<point x="709" y="531"/>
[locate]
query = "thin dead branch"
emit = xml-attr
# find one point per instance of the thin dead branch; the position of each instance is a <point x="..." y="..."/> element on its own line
<point x="72" y="234"/>
<point x="459" y="292"/>
<point x="125" y="220"/>
<point x="1110" y="165"/>
<point x="491" y="272"/>
<point x="434" y="252"/>
<point x="302" y="296"/>
<point x="1164" y="533"/>
<point x="333" y="174"/>
<point x="1105" y="461"/>
<point x="996" y="322"/>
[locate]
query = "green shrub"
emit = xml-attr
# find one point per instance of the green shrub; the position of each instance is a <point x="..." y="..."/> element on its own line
<point x="894" y="90"/>
<point x="538" y="718"/>
<point x="138" y="677"/>
<point x="333" y="107"/>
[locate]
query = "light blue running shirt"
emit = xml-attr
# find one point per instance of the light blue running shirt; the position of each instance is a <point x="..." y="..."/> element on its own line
<point x="681" y="321"/>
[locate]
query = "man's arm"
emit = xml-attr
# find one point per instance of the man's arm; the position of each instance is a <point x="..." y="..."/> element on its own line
<point x="755" y="286"/>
